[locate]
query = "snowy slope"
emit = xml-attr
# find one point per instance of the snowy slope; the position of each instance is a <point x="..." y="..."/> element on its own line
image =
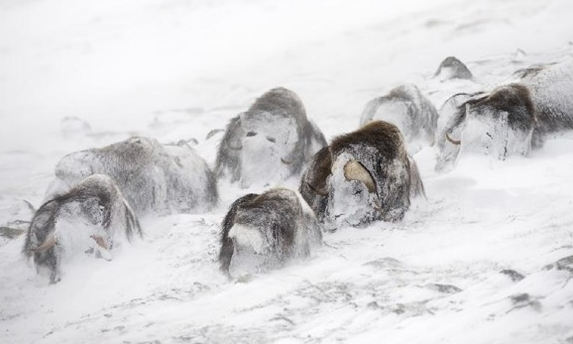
<point x="477" y="262"/>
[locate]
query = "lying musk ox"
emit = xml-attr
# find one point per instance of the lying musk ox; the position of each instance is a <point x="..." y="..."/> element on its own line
<point x="362" y="177"/>
<point x="262" y="231"/>
<point x="452" y="68"/>
<point x="268" y="143"/>
<point x="88" y="218"/>
<point x="152" y="177"/>
<point x="408" y="109"/>
<point x="449" y="125"/>
<point x="511" y="119"/>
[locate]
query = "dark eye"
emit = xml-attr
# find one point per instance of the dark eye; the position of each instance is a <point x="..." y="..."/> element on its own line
<point x="251" y="133"/>
<point x="271" y="139"/>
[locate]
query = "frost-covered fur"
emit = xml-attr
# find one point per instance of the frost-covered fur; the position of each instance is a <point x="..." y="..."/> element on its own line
<point x="93" y="209"/>
<point x="270" y="142"/>
<point x="338" y="201"/>
<point x="408" y="109"/>
<point x="264" y="231"/>
<point x="551" y="90"/>
<point x="452" y="68"/>
<point x="510" y="120"/>
<point x="452" y="116"/>
<point x="152" y="177"/>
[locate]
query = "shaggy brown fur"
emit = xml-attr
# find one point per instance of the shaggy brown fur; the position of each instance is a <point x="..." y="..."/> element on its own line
<point x="379" y="148"/>
<point x="515" y="99"/>
<point x="278" y="216"/>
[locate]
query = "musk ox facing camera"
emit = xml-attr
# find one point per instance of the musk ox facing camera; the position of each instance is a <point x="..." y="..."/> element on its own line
<point x="268" y="143"/>
<point x="363" y="176"/>
<point x="512" y="119"/>
<point x="89" y="218"/>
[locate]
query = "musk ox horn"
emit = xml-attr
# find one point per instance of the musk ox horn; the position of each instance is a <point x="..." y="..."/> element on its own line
<point x="286" y="162"/>
<point x="99" y="241"/>
<point x="47" y="244"/>
<point x="353" y="170"/>
<point x="377" y="206"/>
<point x="452" y="141"/>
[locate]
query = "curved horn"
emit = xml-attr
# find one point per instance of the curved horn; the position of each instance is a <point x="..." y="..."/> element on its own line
<point x="47" y="244"/>
<point x="320" y="192"/>
<point x="286" y="162"/>
<point x="99" y="241"/>
<point x="377" y="206"/>
<point x="452" y="141"/>
<point x="239" y="147"/>
<point x="353" y="170"/>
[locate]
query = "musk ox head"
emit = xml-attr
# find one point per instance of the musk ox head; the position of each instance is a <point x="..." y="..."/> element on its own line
<point x="452" y="68"/>
<point x="498" y="124"/>
<point x="152" y="177"/>
<point x="89" y="218"/>
<point x="511" y="119"/>
<point x="361" y="177"/>
<point x="268" y="143"/>
<point x="262" y="231"/>
<point x="408" y="109"/>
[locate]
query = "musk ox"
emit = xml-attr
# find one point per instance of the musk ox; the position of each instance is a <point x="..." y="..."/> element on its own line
<point x="152" y="177"/>
<point x="449" y="125"/>
<point x="361" y="177"/>
<point x="408" y="109"/>
<point x="511" y="119"/>
<point x="452" y="68"/>
<point x="268" y="143"/>
<point x="262" y="231"/>
<point x="90" y="218"/>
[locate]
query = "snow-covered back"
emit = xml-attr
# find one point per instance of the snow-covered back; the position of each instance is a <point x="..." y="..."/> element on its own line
<point x="483" y="260"/>
<point x="153" y="178"/>
<point x="408" y="109"/>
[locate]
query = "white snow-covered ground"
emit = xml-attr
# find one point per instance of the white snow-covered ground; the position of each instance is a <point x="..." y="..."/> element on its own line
<point x="474" y="263"/>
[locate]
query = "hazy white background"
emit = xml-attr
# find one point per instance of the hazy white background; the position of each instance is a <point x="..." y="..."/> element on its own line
<point x="177" y="69"/>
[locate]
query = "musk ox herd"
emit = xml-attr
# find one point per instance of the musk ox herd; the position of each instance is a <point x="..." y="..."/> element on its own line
<point x="359" y="177"/>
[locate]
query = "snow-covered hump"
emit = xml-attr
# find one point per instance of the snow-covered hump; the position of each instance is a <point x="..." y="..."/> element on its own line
<point x="153" y="178"/>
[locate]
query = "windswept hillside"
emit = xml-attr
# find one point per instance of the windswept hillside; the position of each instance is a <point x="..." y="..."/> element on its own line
<point x="486" y="258"/>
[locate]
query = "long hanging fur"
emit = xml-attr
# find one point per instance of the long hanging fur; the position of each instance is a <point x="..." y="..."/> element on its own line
<point x="227" y="246"/>
<point x="278" y="218"/>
